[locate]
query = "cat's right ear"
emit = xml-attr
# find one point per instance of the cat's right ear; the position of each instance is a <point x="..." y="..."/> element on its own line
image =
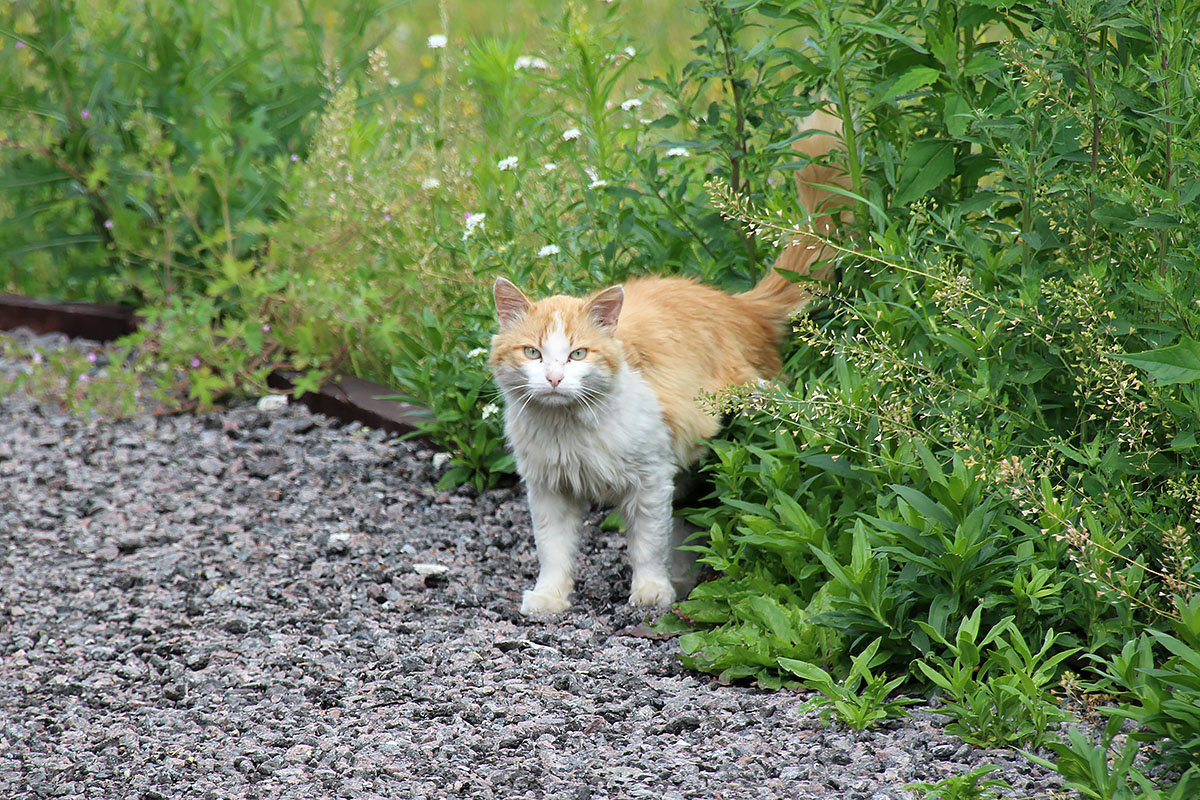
<point x="511" y="304"/>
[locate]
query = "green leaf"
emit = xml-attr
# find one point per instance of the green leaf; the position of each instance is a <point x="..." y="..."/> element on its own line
<point x="806" y="671"/>
<point x="957" y="114"/>
<point x="909" y="82"/>
<point x="1179" y="363"/>
<point x="924" y="506"/>
<point x="927" y="165"/>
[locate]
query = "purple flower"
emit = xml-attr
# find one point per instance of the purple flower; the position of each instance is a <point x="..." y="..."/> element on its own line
<point x="85" y="114"/>
<point x="295" y="157"/>
<point x="108" y="223"/>
<point x="83" y="378"/>
<point x="20" y="44"/>
<point x="91" y="357"/>
<point x="195" y="363"/>
<point x="266" y="328"/>
<point x="387" y="217"/>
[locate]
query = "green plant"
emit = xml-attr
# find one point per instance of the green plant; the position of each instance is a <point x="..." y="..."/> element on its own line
<point x="99" y="382"/>
<point x="1158" y="675"/>
<point x="996" y="687"/>
<point x="1099" y="773"/>
<point x="454" y="386"/>
<point x="863" y="698"/>
<point x="968" y="786"/>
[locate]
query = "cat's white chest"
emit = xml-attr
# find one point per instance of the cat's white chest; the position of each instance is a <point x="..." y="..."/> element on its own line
<point x="599" y="454"/>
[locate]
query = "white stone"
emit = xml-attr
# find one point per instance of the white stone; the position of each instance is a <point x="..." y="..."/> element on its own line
<point x="272" y="402"/>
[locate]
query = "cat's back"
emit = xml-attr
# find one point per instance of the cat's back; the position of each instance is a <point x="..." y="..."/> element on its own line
<point x="724" y="338"/>
<point x="687" y="338"/>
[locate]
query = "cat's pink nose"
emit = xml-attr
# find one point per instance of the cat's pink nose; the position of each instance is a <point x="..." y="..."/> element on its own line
<point x="555" y="380"/>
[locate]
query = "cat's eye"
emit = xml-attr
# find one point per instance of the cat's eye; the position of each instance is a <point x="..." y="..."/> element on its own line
<point x="579" y="354"/>
<point x="533" y="352"/>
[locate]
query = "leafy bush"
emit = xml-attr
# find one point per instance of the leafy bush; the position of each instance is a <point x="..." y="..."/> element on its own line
<point x="150" y="140"/>
<point x="994" y="419"/>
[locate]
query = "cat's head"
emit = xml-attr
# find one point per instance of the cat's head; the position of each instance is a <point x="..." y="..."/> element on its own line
<point x="558" y="351"/>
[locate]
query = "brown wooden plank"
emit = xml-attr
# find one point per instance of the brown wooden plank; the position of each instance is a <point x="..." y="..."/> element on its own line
<point x="353" y="399"/>
<point x="101" y="323"/>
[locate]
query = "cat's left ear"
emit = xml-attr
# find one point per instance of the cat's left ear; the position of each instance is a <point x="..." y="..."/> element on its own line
<point x="605" y="307"/>
<point x="511" y="303"/>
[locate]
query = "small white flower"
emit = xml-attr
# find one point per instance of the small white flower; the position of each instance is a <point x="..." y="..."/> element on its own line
<point x="681" y="152"/>
<point x="549" y="166"/>
<point x="630" y="104"/>
<point x="597" y="184"/>
<point x="549" y="250"/>
<point x="645" y="120"/>
<point x="430" y="183"/>
<point x="477" y="352"/>
<point x="571" y="134"/>
<point x="490" y="410"/>
<point x="473" y="221"/>
<point x="436" y="42"/>
<point x="505" y="164"/>
<point x="629" y="51"/>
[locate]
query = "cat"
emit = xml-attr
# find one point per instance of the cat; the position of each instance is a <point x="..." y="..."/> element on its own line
<point x="602" y="394"/>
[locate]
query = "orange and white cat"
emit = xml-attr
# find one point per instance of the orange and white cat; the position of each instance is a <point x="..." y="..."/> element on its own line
<point x="602" y="397"/>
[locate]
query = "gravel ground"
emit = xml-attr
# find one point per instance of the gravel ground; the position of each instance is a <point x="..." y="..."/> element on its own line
<point x="229" y="605"/>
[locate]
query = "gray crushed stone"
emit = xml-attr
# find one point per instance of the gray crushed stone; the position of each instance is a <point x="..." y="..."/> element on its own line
<point x="226" y="605"/>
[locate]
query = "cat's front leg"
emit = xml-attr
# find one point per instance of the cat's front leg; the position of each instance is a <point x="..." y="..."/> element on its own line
<point x="648" y="517"/>
<point x="556" y="523"/>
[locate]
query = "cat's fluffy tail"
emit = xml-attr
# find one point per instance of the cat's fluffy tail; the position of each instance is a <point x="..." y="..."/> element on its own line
<point x="808" y="254"/>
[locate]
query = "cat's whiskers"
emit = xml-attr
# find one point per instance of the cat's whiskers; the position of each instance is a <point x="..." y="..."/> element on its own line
<point x="591" y="395"/>
<point x="525" y="400"/>
<point x="586" y="401"/>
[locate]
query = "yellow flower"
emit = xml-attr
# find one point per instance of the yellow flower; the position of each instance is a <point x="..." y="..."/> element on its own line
<point x="419" y="99"/>
<point x="426" y="61"/>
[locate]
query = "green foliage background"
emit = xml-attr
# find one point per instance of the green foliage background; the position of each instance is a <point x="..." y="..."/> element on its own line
<point x="979" y="476"/>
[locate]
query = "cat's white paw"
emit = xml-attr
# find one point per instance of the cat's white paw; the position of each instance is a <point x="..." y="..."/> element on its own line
<point x="535" y="602"/>
<point x="652" y="593"/>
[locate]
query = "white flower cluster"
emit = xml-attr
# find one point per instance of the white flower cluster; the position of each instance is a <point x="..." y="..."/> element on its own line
<point x="430" y="183"/>
<point x="505" y="164"/>
<point x="631" y="104"/>
<point x="678" y="152"/>
<point x="549" y="250"/>
<point x="436" y="42"/>
<point x="531" y="62"/>
<point x="473" y="221"/>
<point x="596" y="181"/>
<point x="571" y="134"/>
